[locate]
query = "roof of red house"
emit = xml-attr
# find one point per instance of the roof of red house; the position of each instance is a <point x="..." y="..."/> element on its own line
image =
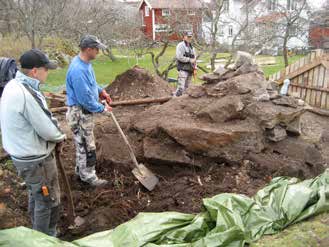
<point x="173" y="4"/>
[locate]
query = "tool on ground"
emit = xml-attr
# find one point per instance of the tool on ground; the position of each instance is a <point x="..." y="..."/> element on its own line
<point x="67" y="189"/>
<point x="195" y="71"/>
<point x="141" y="172"/>
<point x="117" y="103"/>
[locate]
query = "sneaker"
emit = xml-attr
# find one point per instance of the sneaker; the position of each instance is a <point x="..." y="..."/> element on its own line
<point x="99" y="182"/>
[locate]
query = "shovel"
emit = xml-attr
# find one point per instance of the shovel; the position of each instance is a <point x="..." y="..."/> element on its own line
<point x="141" y="172"/>
<point x="67" y="189"/>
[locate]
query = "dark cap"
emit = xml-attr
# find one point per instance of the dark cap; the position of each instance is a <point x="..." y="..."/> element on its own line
<point x="35" y="59"/>
<point x="91" y="41"/>
<point x="188" y="33"/>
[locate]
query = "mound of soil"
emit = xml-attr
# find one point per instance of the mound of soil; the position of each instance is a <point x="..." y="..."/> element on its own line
<point x="138" y="83"/>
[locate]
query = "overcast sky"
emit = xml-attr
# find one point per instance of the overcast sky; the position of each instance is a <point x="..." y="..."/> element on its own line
<point x="313" y="3"/>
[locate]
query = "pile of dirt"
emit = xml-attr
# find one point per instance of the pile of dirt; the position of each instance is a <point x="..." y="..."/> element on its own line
<point x="233" y="120"/>
<point x="138" y="83"/>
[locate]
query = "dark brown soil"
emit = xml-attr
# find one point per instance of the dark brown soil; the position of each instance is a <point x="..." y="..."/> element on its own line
<point x="181" y="188"/>
<point x="138" y="83"/>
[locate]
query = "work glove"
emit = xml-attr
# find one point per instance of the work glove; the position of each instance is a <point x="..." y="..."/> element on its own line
<point x="107" y="107"/>
<point x="105" y="96"/>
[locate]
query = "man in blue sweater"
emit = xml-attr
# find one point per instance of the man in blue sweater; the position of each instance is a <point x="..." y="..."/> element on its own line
<point x="83" y="95"/>
<point x="30" y="134"/>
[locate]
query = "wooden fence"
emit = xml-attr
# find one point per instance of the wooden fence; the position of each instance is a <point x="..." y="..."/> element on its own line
<point x="309" y="78"/>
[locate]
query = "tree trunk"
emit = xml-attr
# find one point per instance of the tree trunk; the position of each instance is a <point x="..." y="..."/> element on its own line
<point x="284" y="47"/>
<point x="212" y="60"/>
<point x="285" y="51"/>
<point x="108" y="52"/>
<point x="33" y="40"/>
<point x="285" y="56"/>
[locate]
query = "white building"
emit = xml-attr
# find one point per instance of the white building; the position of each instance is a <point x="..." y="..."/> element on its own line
<point x="265" y="17"/>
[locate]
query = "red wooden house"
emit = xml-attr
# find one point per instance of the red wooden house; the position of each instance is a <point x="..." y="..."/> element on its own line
<point x="319" y="30"/>
<point x="167" y="19"/>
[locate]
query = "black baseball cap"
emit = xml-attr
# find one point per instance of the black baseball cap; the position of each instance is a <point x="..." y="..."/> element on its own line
<point x="35" y="59"/>
<point x="91" y="41"/>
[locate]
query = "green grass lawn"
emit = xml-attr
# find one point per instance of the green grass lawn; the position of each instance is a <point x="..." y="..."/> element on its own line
<point x="310" y="233"/>
<point x="106" y="70"/>
<point x="271" y="69"/>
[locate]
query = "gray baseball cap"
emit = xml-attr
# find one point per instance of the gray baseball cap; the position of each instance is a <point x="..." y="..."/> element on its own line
<point x="91" y="41"/>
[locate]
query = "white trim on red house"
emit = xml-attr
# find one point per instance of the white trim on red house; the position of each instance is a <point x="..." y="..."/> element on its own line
<point x="147" y="3"/>
<point x="153" y="23"/>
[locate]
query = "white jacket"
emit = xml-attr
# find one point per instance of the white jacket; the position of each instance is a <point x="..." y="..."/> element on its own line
<point x="29" y="131"/>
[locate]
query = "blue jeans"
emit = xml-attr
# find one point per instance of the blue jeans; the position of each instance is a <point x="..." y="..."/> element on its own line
<point x="44" y="210"/>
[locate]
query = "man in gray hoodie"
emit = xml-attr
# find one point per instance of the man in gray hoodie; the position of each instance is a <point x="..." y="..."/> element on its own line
<point x="30" y="134"/>
<point x="186" y="63"/>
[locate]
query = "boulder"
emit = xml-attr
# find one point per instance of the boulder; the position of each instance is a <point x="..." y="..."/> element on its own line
<point x="273" y="165"/>
<point x="286" y="101"/>
<point x="225" y="109"/>
<point x="230" y="142"/>
<point x="269" y="115"/>
<point x="196" y="91"/>
<point x="261" y="94"/>
<point x="294" y="127"/>
<point x="243" y="58"/>
<point x="210" y="77"/>
<point x="298" y="149"/>
<point x="166" y="151"/>
<point x="276" y="134"/>
<point x="242" y="84"/>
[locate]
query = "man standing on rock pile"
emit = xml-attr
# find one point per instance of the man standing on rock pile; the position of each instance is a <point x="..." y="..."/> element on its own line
<point x="83" y="95"/>
<point x="186" y="63"/>
<point x="29" y="135"/>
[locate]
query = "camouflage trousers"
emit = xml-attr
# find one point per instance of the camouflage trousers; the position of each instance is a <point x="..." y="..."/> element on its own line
<point x="82" y="126"/>
<point x="184" y="81"/>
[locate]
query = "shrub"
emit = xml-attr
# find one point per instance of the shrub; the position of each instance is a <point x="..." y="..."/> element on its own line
<point x="13" y="46"/>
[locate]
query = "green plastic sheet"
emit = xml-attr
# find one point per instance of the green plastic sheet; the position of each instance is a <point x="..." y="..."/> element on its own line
<point x="229" y="220"/>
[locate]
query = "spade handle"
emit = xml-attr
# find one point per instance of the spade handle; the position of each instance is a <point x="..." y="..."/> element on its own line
<point x="131" y="152"/>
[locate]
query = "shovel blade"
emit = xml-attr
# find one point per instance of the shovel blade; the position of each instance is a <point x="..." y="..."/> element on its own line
<point x="145" y="177"/>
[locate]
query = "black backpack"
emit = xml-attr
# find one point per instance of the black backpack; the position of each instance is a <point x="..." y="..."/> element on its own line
<point x="8" y="69"/>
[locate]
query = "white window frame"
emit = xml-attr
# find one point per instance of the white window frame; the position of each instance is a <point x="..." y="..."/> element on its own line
<point x="186" y="28"/>
<point x="190" y="12"/>
<point x="272" y="5"/>
<point x="147" y="10"/>
<point x="230" y="31"/>
<point x="221" y="30"/>
<point x="162" y="28"/>
<point x="143" y="24"/>
<point x="291" y="4"/>
<point x="165" y="12"/>
<point x="226" y="5"/>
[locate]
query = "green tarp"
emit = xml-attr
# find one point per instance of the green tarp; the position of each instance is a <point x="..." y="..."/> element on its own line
<point x="226" y="220"/>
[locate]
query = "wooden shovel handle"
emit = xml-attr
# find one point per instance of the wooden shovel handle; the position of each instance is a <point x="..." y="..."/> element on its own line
<point x="131" y="152"/>
<point x="67" y="189"/>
